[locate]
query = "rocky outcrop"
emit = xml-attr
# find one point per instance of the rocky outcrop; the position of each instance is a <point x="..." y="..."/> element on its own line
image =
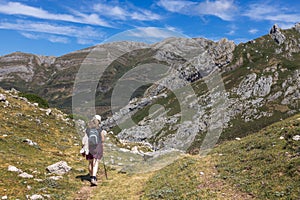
<point x="297" y="27"/>
<point x="277" y="35"/>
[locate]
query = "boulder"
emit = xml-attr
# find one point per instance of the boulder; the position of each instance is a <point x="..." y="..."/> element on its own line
<point x="59" y="168"/>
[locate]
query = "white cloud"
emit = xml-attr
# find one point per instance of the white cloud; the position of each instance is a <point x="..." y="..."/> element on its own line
<point x="51" y="38"/>
<point x="253" y="31"/>
<point x="84" y="41"/>
<point x="30" y="36"/>
<point x="224" y="9"/>
<point x="125" y="12"/>
<point x="274" y="13"/>
<point x="16" y="8"/>
<point x="54" y="33"/>
<point x="233" y="29"/>
<point x="145" y="34"/>
<point x="43" y="27"/>
<point x="58" y="39"/>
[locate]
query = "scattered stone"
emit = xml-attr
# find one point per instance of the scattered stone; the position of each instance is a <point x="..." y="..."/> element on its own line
<point x="237" y="138"/>
<point x="28" y="187"/>
<point x="4" y="135"/>
<point x="25" y="175"/>
<point x="14" y="169"/>
<point x="201" y="173"/>
<point x="2" y="98"/>
<point x="296" y="137"/>
<point x="59" y="168"/>
<point x="281" y="138"/>
<point x="124" y="150"/>
<point x="55" y="178"/>
<point x="34" y="197"/>
<point x="6" y="103"/>
<point x="35" y="104"/>
<point x="48" y="112"/>
<point x="30" y="142"/>
<point x="38" y="180"/>
<point x="4" y="197"/>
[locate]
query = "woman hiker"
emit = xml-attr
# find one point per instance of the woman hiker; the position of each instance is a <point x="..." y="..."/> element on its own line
<point x="93" y="146"/>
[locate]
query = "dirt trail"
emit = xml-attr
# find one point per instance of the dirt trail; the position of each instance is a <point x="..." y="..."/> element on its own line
<point x="131" y="186"/>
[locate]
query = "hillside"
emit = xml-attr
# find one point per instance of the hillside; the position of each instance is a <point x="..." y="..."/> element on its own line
<point x="261" y="86"/>
<point x="263" y="165"/>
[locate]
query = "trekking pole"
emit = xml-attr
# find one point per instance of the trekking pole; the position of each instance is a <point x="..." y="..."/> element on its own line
<point x="105" y="172"/>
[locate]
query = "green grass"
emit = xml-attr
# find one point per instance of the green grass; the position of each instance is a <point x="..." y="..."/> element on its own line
<point x="262" y="164"/>
<point x="55" y="140"/>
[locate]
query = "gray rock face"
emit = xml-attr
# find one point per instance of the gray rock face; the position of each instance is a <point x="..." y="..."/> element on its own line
<point x="276" y="35"/>
<point x="59" y="168"/>
<point x="245" y="88"/>
<point x="263" y="86"/>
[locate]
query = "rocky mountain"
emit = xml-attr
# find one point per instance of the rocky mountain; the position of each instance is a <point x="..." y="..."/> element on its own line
<point x="207" y="86"/>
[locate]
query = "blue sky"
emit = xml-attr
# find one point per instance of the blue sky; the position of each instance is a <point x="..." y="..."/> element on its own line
<point x="53" y="27"/>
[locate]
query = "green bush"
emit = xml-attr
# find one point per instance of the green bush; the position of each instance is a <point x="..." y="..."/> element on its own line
<point x="33" y="98"/>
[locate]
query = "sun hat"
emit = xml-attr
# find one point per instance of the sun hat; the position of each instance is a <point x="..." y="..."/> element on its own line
<point x="98" y="117"/>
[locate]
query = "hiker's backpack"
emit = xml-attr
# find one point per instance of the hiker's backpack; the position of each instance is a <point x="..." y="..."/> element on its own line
<point x="94" y="139"/>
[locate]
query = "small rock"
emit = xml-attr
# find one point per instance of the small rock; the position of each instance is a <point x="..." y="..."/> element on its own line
<point x="14" y="169"/>
<point x="296" y="137"/>
<point x="281" y="138"/>
<point x="28" y="187"/>
<point x="55" y="178"/>
<point x="4" y="197"/>
<point x="4" y="135"/>
<point x="59" y="168"/>
<point x="237" y="138"/>
<point x="34" y="197"/>
<point x="38" y="180"/>
<point x="2" y="97"/>
<point x="48" y="112"/>
<point x="202" y="173"/>
<point x="25" y="175"/>
<point x="30" y="142"/>
<point x="6" y="103"/>
<point x="124" y="150"/>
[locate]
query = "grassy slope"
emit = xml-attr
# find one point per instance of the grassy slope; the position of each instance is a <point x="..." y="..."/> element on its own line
<point x="55" y="140"/>
<point x="259" y="166"/>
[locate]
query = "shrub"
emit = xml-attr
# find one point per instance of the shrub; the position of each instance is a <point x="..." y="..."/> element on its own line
<point x="33" y="98"/>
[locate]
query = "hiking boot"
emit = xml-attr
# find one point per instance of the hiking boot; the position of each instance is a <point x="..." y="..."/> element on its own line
<point x="94" y="182"/>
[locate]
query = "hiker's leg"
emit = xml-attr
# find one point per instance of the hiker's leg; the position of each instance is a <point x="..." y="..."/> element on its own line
<point x="95" y="167"/>
<point x="91" y="167"/>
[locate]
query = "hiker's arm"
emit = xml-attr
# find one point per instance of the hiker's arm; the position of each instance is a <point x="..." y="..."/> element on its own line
<point x="102" y="135"/>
